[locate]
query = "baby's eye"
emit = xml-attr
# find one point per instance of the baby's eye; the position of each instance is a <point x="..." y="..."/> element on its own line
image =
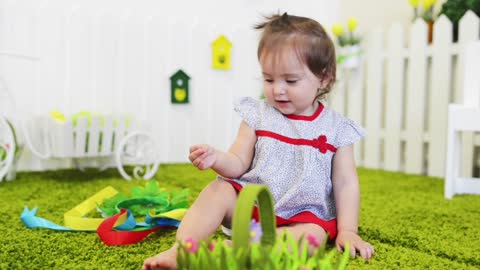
<point x="291" y="81"/>
<point x="268" y="80"/>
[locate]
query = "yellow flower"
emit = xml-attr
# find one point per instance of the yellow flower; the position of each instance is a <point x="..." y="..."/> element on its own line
<point x="352" y="24"/>
<point x="427" y="4"/>
<point x="337" y="29"/>
<point x="414" y="3"/>
<point x="58" y="116"/>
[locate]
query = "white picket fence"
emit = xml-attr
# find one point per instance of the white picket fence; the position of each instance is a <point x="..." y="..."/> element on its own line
<point x="108" y="61"/>
<point x="401" y="96"/>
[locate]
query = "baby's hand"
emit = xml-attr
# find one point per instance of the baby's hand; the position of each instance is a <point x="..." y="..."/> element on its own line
<point x="202" y="156"/>
<point x="356" y="244"/>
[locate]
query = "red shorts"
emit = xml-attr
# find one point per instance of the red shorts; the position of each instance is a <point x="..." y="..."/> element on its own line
<point x="329" y="226"/>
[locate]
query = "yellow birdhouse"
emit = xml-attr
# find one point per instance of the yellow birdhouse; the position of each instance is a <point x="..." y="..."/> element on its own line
<point x="221" y="48"/>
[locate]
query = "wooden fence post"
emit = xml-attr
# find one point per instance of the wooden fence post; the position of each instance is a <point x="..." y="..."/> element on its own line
<point x="439" y="96"/>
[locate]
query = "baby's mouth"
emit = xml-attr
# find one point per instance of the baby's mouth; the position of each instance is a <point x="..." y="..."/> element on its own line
<point x="282" y="103"/>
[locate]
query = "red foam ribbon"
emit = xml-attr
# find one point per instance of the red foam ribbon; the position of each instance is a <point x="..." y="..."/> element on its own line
<point x="116" y="238"/>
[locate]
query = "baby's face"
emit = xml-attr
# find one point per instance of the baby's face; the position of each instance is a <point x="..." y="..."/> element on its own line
<point x="288" y="83"/>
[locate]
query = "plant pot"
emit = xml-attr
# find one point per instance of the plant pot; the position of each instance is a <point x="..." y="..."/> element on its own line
<point x="430" y="32"/>
<point x="349" y="57"/>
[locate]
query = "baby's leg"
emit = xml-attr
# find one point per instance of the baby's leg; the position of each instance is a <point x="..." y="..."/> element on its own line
<point x="299" y="230"/>
<point x="214" y="205"/>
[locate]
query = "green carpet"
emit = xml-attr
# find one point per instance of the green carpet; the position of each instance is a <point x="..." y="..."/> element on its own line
<point x="405" y="217"/>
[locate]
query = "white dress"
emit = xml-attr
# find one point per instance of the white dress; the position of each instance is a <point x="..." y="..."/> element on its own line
<point x="293" y="155"/>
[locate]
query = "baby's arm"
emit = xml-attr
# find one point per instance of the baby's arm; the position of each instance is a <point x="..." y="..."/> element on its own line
<point x="347" y="201"/>
<point x="231" y="164"/>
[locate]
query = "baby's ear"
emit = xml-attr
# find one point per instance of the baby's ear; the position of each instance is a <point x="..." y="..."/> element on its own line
<point x="325" y="81"/>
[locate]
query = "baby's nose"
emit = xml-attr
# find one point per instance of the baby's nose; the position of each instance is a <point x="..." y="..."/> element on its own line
<point x="279" y="89"/>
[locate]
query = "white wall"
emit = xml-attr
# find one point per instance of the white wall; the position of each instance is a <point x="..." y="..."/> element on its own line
<point x="117" y="56"/>
<point x="374" y="13"/>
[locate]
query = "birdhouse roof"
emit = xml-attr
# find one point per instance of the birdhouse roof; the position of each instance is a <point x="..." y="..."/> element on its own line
<point x="179" y="74"/>
<point x="222" y="40"/>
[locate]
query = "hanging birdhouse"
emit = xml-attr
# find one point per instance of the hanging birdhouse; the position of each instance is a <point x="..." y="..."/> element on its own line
<point x="179" y="87"/>
<point x="221" y="48"/>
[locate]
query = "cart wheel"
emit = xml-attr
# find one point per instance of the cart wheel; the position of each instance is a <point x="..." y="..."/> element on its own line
<point x="7" y="147"/>
<point x="137" y="149"/>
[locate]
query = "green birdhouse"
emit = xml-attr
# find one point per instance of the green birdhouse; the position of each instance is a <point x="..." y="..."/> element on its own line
<point x="221" y="48"/>
<point x="179" y="87"/>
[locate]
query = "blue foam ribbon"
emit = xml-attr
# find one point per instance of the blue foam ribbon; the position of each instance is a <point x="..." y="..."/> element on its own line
<point x="30" y="220"/>
<point x="163" y="221"/>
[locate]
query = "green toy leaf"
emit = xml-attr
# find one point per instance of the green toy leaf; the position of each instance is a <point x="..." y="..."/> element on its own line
<point x="179" y="199"/>
<point x="108" y="206"/>
<point x="151" y="189"/>
<point x="145" y="199"/>
<point x="138" y="210"/>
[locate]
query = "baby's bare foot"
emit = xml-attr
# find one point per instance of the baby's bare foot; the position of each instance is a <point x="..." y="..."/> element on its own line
<point x="166" y="260"/>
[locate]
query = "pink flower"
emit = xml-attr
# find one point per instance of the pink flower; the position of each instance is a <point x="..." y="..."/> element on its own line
<point x="313" y="240"/>
<point x="211" y="246"/>
<point x="191" y="245"/>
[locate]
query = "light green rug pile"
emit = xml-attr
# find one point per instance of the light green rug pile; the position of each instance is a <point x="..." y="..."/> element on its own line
<point x="405" y="217"/>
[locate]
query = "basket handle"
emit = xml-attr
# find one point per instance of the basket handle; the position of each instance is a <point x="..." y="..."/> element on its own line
<point x="243" y="213"/>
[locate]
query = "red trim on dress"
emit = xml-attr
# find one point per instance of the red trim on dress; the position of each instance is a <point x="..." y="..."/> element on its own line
<point x="330" y="226"/>
<point x="320" y="143"/>
<point x="307" y="118"/>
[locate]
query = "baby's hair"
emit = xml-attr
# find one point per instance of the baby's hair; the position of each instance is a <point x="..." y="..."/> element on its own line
<point x="308" y="38"/>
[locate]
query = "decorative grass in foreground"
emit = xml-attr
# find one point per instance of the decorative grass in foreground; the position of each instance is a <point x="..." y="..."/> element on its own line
<point x="286" y="253"/>
<point x="255" y="248"/>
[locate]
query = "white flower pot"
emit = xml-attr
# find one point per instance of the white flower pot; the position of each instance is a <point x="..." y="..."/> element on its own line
<point x="350" y="56"/>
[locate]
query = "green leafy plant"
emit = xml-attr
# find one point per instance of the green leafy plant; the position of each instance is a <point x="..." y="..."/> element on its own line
<point x="455" y="9"/>
<point x="249" y="251"/>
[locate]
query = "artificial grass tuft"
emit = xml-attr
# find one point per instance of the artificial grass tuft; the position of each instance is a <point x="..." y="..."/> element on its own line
<point x="404" y="216"/>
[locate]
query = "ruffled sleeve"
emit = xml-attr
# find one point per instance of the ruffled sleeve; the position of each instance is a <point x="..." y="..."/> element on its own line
<point x="348" y="132"/>
<point x="249" y="110"/>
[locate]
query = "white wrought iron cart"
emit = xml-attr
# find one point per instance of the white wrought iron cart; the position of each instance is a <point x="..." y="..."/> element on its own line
<point x="98" y="141"/>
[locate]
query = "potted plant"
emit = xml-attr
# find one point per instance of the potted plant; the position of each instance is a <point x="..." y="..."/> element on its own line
<point x="426" y="12"/>
<point x="255" y="245"/>
<point x="349" y="51"/>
